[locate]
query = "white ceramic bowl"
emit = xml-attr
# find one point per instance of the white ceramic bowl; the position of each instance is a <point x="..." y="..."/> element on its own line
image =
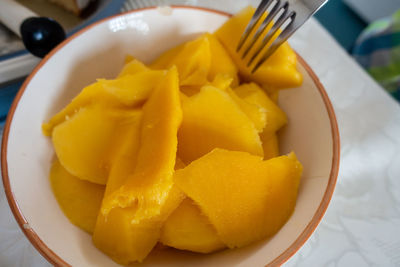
<point x="99" y="51"/>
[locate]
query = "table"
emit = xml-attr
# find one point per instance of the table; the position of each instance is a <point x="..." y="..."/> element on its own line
<point x="362" y="224"/>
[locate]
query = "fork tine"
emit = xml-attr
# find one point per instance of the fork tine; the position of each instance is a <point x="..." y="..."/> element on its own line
<point x="253" y="21"/>
<point x="263" y="26"/>
<point x="281" y="13"/>
<point x="285" y="34"/>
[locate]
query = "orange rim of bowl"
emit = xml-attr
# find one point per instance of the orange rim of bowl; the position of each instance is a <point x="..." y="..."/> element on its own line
<point x="56" y="260"/>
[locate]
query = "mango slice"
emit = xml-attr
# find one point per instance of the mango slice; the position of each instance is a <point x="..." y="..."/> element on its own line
<point x="165" y="59"/>
<point x="132" y="67"/>
<point x="270" y="145"/>
<point x="222" y="81"/>
<point x="212" y="119"/>
<point x="193" y="62"/>
<point x="132" y="216"/>
<point x="82" y="143"/>
<point x="245" y="198"/>
<point x="187" y="229"/>
<point x="274" y="96"/>
<point x="124" y="151"/>
<point x="79" y="200"/>
<point x="121" y="236"/>
<point x="114" y="232"/>
<point x="278" y="71"/>
<point x="179" y="164"/>
<point x="221" y="62"/>
<point x="256" y="113"/>
<point x="199" y="62"/>
<point x="128" y="91"/>
<point x="253" y="94"/>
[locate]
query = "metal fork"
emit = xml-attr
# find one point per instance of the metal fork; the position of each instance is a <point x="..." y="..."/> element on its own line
<point x="286" y="16"/>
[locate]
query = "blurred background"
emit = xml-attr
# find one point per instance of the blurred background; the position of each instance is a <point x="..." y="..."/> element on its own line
<point x="364" y="28"/>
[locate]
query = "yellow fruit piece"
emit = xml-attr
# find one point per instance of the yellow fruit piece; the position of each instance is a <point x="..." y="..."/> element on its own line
<point x="132" y="216"/>
<point x="124" y="151"/>
<point x="212" y="119"/>
<point x="128" y="58"/>
<point x="278" y="71"/>
<point x="253" y="94"/>
<point x="162" y="116"/>
<point x="132" y="67"/>
<point x="190" y="90"/>
<point x="270" y="145"/>
<point x="119" y="238"/>
<point x="274" y="96"/>
<point x="115" y="233"/>
<point x="256" y="113"/>
<point x="79" y="200"/>
<point x="188" y="229"/>
<point x="221" y="81"/>
<point x="125" y="239"/>
<point x="245" y="198"/>
<point x="179" y="164"/>
<point x="166" y="58"/>
<point x="127" y="91"/>
<point x="221" y="62"/>
<point x="192" y="60"/>
<point x="82" y="143"/>
<point x="204" y="58"/>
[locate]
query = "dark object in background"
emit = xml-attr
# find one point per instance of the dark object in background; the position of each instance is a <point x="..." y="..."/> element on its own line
<point x="40" y="35"/>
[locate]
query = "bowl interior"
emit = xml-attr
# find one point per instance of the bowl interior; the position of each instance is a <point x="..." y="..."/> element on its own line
<point x="99" y="53"/>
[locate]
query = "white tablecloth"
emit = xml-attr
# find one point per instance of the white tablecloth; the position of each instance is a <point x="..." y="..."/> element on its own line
<point x="362" y="224"/>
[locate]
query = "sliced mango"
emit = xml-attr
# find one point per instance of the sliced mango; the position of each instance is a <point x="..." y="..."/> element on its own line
<point x="278" y="71"/>
<point x="132" y="67"/>
<point x="141" y="205"/>
<point x="79" y="200"/>
<point x="221" y="62"/>
<point x="179" y="164"/>
<point x="212" y="119"/>
<point x="128" y="58"/>
<point x="256" y="113"/>
<point x="188" y="229"/>
<point x="127" y="91"/>
<point x="252" y="93"/>
<point x="199" y="62"/>
<point x="115" y="232"/>
<point x="124" y="151"/>
<point x="245" y="198"/>
<point x="222" y="81"/>
<point x="270" y="145"/>
<point x="190" y="90"/>
<point x="166" y="58"/>
<point x="125" y="239"/>
<point x="82" y="143"/>
<point x="274" y="96"/>
<point x="193" y="62"/>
